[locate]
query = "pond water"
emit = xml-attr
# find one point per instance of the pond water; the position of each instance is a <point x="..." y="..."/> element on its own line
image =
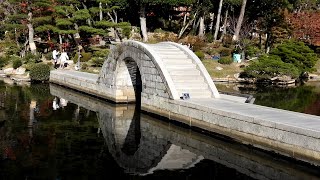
<point x="304" y="98"/>
<point x="50" y="132"/>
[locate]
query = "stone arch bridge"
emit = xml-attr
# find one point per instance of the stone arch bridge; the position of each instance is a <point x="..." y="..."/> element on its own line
<point x="160" y="73"/>
<point x="164" y="70"/>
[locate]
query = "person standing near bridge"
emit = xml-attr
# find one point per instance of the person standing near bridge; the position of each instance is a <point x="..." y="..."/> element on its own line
<point x="55" y="54"/>
<point x="64" y="59"/>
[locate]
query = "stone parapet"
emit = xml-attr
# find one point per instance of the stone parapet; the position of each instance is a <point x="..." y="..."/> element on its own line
<point x="262" y="131"/>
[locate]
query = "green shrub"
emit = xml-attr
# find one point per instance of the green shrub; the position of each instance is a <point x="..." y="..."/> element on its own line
<point x="9" y="47"/>
<point x="28" y="66"/>
<point x="252" y="51"/>
<point x="97" y="61"/>
<point x="85" y="57"/>
<point x="101" y="53"/>
<point x="225" y="60"/>
<point x="200" y="54"/>
<point x="126" y="31"/>
<point x="31" y="58"/>
<point x="40" y="72"/>
<point x="267" y="67"/>
<point x="298" y="54"/>
<point x="84" y="66"/>
<point x="16" y="63"/>
<point x="225" y="52"/>
<point x="3" y="61"/>
<point x="48" y="56"/>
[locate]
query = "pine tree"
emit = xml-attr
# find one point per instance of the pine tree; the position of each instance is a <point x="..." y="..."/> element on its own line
<point x="22" y="17"/>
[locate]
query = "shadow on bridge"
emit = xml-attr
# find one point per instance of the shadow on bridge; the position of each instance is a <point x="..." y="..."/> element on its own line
<point x="143" y="145"/>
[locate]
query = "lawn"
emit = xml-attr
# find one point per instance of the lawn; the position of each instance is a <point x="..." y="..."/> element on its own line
<point x="227" y="70"/>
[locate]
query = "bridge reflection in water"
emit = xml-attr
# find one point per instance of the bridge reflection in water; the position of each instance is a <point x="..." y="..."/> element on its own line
<point x="142" y="145"/>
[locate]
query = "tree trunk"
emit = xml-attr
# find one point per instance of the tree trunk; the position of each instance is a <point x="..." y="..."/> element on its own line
<point x="143" y="23"/>
<point x="184" y="19"/>
<point x="100" y="11"/>
<point x="224" y="25"/>
<point x="88" y="20"/>
<point x="239" y="23"/>
<point x="218" y="21"/>
<point x="76" y="35"/>
<point x="114" y="20"/>
<point x="32" y="45"/>
<point x="16" y="37"/>
<point x="267" y="46"/>
<point x="201" y="27"/>
<point x="184" y="28"/>
<point x="260" y="40"/>
<point x="116" y="32"/>
<point x="211" y="22"/>
<point x="195" y="25"/>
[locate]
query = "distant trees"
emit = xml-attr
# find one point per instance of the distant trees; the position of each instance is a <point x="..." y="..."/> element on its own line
<point x="75" y="21"/>
<point x="60" y="20"/>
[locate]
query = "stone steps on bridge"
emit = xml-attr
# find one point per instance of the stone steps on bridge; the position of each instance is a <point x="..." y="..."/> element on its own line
<point x="183" y="72"/>
<point x="189" y="78"/>
<point x="174" y="56"/>
<point x="184" y="66"/>
<point x="185" y="75"/>
<point x="193" y="86"/>
<point x="177" y="62"/>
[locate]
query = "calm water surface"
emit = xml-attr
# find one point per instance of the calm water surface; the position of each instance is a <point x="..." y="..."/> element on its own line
<point x="49" y="132"/>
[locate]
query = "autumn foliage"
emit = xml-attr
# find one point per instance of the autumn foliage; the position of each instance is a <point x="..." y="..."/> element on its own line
<point x="306" y="26"/>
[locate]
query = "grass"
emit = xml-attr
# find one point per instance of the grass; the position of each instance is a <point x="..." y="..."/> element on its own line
<point x="227" y="71"/>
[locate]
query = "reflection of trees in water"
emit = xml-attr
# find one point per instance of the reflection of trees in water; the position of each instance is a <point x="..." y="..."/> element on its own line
<point x="305" y="99"/>
<point x="66" y="145"/>
<point x="293" y="99"/>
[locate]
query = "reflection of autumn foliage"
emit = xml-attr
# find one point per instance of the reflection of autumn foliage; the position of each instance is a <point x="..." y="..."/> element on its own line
<point x="45" y="107"/>
<point x="306" y="26"/>
<point x="44" y="110"/>
<point x="313" y="108"/>
<point x="6" y="145"/>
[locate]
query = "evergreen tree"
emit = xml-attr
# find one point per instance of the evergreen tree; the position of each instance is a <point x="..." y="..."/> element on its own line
<point x="26" y="15"/>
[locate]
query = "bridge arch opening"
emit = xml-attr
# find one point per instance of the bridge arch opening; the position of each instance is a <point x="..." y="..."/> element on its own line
<point x="130" y="71"/>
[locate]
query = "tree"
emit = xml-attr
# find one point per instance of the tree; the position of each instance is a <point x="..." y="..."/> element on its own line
<point x="218" y="20"/>
<point x="240" y="20"/>
<point x="267" y="67"/>
<point x="267" y="14"/>
<point x="142" y="11"/>
<point x="296" y="53"/>
<point x="305" y="26"/>
<point x="303" y="5"/>
<point x="26" y="15"/>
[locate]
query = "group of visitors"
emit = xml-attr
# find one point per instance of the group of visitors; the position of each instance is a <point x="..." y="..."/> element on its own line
<point x="60" y="60"/>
